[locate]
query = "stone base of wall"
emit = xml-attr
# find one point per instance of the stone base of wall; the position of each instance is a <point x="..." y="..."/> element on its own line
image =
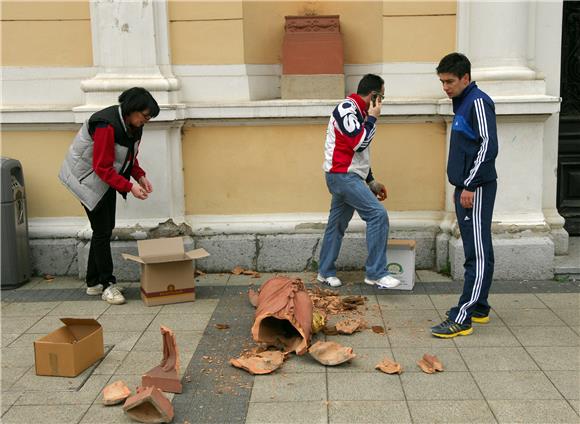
<point x="312" y="87"/>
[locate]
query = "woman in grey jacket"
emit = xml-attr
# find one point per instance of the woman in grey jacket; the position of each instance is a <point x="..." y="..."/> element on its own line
<point x="100" y="162"/>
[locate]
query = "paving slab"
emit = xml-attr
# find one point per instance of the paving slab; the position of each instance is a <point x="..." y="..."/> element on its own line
<point x="567" y="383"/>
<point x="132" y="307"/>
<point x="458" y="411"/>
<point x="529" y="317"/>
<point x="199" y="306"/>
<point x="432" y="276"/>
<point x="364" y="386"/>
<point x="52" y="322"/>
<point x="287" y="412"/>
<point x="368" y="412"/>
<point x="571" y="316"/>
<point x="536" y="411"/>
<point x="152" y="341"/>
<point x="99" y="414"/>
<point x="301" y="364"/>
<point x="449" y="357"/>
<point x="17" y="309"/>
<point x="279" y="387"/>
<point x="9" y="338"/>
<point x="82" y="308"/>
<point x="415" y="337"/>
<point x="31" y="382"/>
<point x="121" y="341"/>
<point x="48" y="414"/>
<point x="11" y="375"/>
<point x="18" y="325"/>
<point x="8" y="399"/>
<point x="451" y="386"/>
<point x="556" y="358"/>
<point x="419" y="318"/>
<point x="515" y="385"/>
<point x="546" y="336"/>
<point x="127" y="323"/>
<point x="180" y="322"/>
<point x="444" y="301"/>
<point x="497" y="359"/>
<point x="515" y="301"/>
<point x="18" y="357"/>
<point x="365" y="361"/>
<point x="362" y="339"/>
<point x="409" y="302"/>
<point x="556" y="301"/>
<point x="485" y="335"/>
<point x="111" y="362"/>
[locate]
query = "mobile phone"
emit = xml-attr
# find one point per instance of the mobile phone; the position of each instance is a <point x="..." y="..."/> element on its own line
<point x="374" y="99"/>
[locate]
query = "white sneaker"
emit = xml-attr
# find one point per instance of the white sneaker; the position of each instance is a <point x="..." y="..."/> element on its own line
<point x="331" y="281"/>
<point x="386" y="282"/>
<point x="98" y="289"/>
<point x="113" y="296"/>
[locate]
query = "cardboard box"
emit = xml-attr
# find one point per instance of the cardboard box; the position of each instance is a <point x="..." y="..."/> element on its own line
<point x="401" y="262"/>
<point x="71" y="349"/>
<point x="167" y="271"/>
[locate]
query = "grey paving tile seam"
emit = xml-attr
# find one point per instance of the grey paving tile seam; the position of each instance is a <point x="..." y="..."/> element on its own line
<point x="218" y="392"/>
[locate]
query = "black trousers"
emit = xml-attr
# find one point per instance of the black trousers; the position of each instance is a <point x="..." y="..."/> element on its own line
<point x="100" y="263"/>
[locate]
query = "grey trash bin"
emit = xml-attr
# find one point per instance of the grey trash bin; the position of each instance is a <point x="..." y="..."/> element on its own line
<point x="15" y="250"/>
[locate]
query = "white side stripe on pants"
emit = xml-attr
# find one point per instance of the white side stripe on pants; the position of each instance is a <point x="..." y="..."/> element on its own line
<point x="479" y="257"/>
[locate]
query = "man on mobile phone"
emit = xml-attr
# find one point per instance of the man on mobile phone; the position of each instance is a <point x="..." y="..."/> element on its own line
<point x="349" y="179"/>
<point x="471" y="169"/>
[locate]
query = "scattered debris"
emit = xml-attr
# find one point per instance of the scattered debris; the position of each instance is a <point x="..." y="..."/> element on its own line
<point x="241" y="271"/>
<point x="389" y="367"/>
<point x="318" y="321"/>
<point x="378" y="329"/>
<point x="115" y="393"/>
<point x="48" y="277"/>
<point x="330" y="330"/>
<point x="330" y="303"/>
<point x="349" y="326"/>
<point x="430" y="364"/>
<point x="331" y="353"/>
<point x="253" y="297"/>
<point x="149" y="405"/>
<point x="284" y="315"/>
<point x="222" y="326"/>
<point x="199" y="273"/>
<point x="165" y="376"/>
<point x="259" y="363"/>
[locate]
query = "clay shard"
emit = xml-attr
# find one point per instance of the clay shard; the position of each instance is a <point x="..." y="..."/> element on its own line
<point x="115" y="393"/>
<point x="165" y="376"/>
<point x="351" y="325"/>
<point x="283" y="315"/>
<point x="149" y="405"/>
<point x="237" y="270"/>
<point x="222" y="326"/>
<point x="430" y="364"/>
<point x="259" y="363"/>
<point x="378" y="329"/>
<point x="331" y="353"/>
<point x="389" y="367"/>
<point x="253" y="297"/>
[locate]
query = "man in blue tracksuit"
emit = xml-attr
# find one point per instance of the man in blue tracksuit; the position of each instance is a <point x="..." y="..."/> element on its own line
<point x="471" y="169"/>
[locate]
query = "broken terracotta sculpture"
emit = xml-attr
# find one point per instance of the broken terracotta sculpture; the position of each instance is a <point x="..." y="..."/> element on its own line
<point x="115" y="393"/>
<point x="165" y="376"/>
<point x="430" y="364"/>
<point x="149" y="405"/>
<point x="350" y="325"/>
<point x="259" y="363"/>
<point x="331" y="353"/>
<point x="389" y="367"/>
<point x="283" y="315"/>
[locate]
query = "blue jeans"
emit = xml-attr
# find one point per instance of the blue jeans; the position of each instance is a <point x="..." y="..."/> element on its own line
<point x="350" y="193"/>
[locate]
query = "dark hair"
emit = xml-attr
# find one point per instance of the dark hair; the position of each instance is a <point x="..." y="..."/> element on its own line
<point x="137" y="99"/>
<point x="456" y="64"/>
<point x="369" y="83"/>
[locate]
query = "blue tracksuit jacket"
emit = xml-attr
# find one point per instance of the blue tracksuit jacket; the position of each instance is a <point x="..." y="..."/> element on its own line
<point x="473" y="147"/>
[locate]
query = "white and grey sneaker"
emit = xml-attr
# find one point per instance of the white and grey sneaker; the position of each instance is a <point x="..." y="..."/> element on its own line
<point x="98" y="289"/>
<point x="386" y="282"/>
<point x="113" y="296"/>
<point x="331" y="281"/>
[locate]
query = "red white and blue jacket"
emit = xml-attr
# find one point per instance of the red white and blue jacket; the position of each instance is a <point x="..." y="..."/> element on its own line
<point x="473" y="145"/>
<point x="348" y="137"/>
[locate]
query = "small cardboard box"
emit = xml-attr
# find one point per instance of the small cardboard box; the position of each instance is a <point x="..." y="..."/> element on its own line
<point x="71" y="349"/>
<point x="167" y="271"/>
<point x="401" y="262"/>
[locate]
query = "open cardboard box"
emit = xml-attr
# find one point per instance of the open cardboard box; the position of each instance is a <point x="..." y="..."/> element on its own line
<point x="167" y="271"/>
<point x="401" y="262"/>
<point x="71" y="349"/>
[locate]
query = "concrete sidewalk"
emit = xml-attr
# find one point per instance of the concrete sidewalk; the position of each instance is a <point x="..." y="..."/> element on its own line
<point x="524" y="366"/>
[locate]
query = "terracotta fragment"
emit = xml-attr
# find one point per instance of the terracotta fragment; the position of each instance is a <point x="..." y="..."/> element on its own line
<point x="253" y="297"/>
<point x="283" y="315"/>
<point x="430" y="364"/>
<point x="349" y="326"/>
<point x="389" y="367"/>
<point x="241" y="271"/>
<point x="165" y="376"/>
<point x="378" y="329"/>
<point x="222" y="326"/>
<point x="331" y="353"/>
<point x="237" y="270"/>
<point x="259" y="363"/>
<point x="115" y="393"/>
<point x="329" y="301"/>
<point x="149" y="405"/>
<point x="330" y="330"/>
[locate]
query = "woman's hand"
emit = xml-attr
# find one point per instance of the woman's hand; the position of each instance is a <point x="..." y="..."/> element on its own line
<point x="145" y="184"/>
<point x="138" y="191"/>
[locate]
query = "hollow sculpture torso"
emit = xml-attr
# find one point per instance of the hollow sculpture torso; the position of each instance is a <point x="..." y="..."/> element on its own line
<point x="284" y="315"/>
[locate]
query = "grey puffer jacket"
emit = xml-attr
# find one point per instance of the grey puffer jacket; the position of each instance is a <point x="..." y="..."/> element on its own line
<point x="77" y="173"/>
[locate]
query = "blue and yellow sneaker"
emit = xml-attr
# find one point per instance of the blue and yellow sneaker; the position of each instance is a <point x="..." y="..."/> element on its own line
<point x="448" y="329"/>
<point x="476" y="317"/>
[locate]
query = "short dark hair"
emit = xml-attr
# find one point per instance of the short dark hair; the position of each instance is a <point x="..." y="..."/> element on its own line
<point x="137" y="99"/>
<point x="455" y="63"/>
<point x="369" y="83"/>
